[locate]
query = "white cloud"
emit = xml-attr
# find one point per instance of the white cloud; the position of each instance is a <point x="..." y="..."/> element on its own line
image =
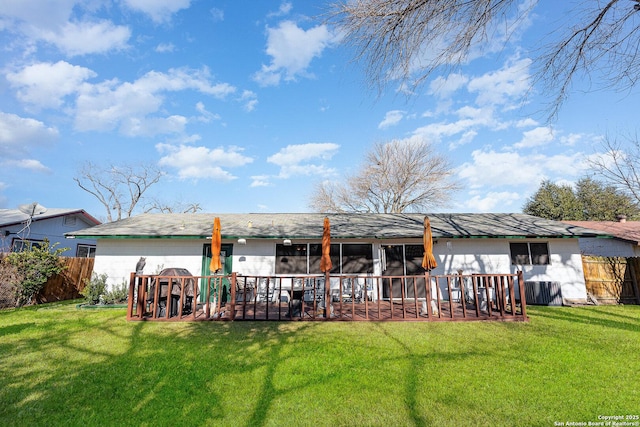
<point x="36" y="13"/>
<point x="158" y="10"/>
<point x="528" y="122"/>
<point x="202" y="162"/>
<point x="573" y="138"/>
<point x="302" y="159"/>
<point x="81" y="38"/>
<point x="535" y="137"/>
<point x="126" y="106"/>
<point x="217" y="15"/>
<point x="292" y="49"/>
<point x="53" y="21"/>
<point x="493" y="201"/>
<point x="28" y="164"/>
<point x="391" y="118"/>
<point x="44" y="85"/>
<point x="502" y="86"/>
<point x="494" y="169"/>
<point x="284" y="9"/>
<point x="260" y="181"/>
<point x="205" y="116"/>
<point x="249" y="99"/>
<point x="19" y="135"/>
<point x="165" y="47"/>
<point x="444" y="87"/>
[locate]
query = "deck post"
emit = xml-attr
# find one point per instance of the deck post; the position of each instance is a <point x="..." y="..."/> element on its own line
<point x="427" y="292"/>
<point x="523" y="299"/>
<point x="327" y="295"/>
<point x="233" y="295"/>
<point x="132" y="283"/>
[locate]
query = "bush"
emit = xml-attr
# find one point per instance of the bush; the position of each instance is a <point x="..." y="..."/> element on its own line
<point x="8" y="277"/>
<point x="117" y="295"/>
<point x="94" y="288"/>
<point x="33" y="268"/>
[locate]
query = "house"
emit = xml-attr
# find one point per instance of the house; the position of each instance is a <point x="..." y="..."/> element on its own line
<point x="272" y="244"/>
<point x="626" y="241"/>
<point x="20" y="229"/>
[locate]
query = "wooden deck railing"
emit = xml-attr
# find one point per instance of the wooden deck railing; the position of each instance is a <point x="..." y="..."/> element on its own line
<point x="351" y="297"/>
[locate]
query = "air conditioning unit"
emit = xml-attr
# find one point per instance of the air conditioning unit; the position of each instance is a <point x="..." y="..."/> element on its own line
<point x="543" y="293"/>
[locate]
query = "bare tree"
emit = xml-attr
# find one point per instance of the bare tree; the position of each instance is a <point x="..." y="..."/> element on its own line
<point x="618" y="166"/>
<point x="397" y="176"/>
<point x="158" y="205"/>
<point x="118" y="188"/>
<point x="408" y="40"/>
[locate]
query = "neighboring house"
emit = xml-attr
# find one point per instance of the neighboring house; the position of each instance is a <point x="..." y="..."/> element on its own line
<point x="19" y="230"/>
<point x="362" y="244"/>
<point x="626" y="241"/>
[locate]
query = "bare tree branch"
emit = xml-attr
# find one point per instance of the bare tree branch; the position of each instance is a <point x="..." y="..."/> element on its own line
<point x="620" y="167"/>
<point x="406" y="41"/>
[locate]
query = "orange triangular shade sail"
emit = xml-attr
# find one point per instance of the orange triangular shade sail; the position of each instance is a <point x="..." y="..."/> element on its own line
<point x="428" y="260"/>
<point x="325" y="260"/>
<point x="216" y="243"/>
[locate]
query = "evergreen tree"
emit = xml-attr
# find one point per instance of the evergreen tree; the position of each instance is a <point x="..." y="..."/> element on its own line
<point x="590" y="201"/>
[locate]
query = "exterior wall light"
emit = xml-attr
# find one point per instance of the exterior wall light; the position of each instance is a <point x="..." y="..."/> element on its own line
<point x="287" y="242"/>
<point x="242" y="241"/>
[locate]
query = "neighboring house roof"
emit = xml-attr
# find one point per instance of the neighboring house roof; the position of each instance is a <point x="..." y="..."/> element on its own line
<point x="9" y="217"/>
<point x="625" y="230"/>
<point x="310" y="225"/>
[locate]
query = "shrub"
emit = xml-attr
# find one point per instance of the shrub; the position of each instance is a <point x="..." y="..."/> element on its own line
<point x="117" y="295"/>
<point x="33" y="268"/>
<point x="94" y="288"/>
<point x="8" y="277"/>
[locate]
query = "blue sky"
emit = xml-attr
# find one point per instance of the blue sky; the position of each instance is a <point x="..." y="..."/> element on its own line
<point x="247" y="104"/>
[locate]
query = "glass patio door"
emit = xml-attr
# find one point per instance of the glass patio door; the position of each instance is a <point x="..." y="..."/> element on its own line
<point x="226" y="252"/>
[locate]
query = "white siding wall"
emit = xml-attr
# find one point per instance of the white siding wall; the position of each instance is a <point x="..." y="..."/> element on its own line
<point x="118" y="257"/>
<point x="608" y="247"/>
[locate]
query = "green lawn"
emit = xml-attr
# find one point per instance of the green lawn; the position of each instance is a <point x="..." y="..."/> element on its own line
<point x="64" y="366"/>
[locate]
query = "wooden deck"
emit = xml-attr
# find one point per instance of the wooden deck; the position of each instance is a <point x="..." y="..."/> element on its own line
<point x="352" y="298"/>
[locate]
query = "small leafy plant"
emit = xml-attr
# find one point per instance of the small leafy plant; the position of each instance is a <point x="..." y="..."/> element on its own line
<point x="117" y="295"/>
<point x="94" y="288"/>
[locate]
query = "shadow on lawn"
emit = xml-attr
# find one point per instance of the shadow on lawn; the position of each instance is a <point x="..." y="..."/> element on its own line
<point x="600" y="316"/>
<point x="102" y="370"/>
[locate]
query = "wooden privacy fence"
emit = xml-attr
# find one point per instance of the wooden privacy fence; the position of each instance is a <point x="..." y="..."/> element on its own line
<point x="612" y="280"/>
<point x="404" y="298"/>
<point x="68" y="284"/>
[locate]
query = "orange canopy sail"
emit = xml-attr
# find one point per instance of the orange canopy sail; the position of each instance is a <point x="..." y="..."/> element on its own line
<point x="325" y="260"/>
<point x="428" y="260"/>
<point x="216" y="243"/>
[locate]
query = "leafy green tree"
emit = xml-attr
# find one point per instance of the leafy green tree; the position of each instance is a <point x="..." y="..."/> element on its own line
<point x="33" y="268"/>
<point x="590" y="201"/>
<point x="602" y="202"/>
<point x="553" y="201"/>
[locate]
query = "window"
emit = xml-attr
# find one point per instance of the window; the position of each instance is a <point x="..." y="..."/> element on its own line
<point x="20" y="245"/>
<point x="529" y="253"/>
<point x="315" y="253"/>
<point x="86" y="251"/>
<point x="69" y="220"/>
<point x="357" y="258"/>
<point x="291" y="259"/>
<point x="348" y="258"/>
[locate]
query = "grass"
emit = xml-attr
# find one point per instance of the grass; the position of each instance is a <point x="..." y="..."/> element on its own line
<point x="63" y="366"/>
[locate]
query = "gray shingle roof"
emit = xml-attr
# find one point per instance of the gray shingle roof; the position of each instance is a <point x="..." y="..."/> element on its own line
<point x="15" y="216"/>
<point x="309" y="225"/>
